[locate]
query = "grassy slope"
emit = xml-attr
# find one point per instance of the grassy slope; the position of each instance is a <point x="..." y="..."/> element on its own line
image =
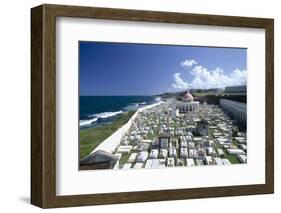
<point x="92" y="137"/>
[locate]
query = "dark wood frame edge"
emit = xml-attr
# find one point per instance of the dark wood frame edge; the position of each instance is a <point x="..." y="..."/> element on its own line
<point x="43" y="105"/>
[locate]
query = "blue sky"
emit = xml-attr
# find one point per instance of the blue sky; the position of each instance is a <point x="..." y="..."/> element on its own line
<point x="145" y="69"/>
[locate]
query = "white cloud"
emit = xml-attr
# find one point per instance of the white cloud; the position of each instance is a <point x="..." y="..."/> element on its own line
<point x="205" y="79"/>
<point x="179" y="84"/>
<point x="188" y="63"/>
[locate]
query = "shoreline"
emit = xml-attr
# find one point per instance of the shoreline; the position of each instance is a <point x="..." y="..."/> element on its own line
<point x="113" y="140"/>
<point x="90" y="138"/>
<point x="93" y="116"/>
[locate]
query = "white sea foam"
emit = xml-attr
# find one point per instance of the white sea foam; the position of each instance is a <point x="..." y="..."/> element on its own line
<point x="142" y="103"/>
<point x="105" y="114"/>
<point x="87" y="122"/>
<point x="157" y="99"/>
<point x="134" y="106"/>
<point x="95" y="117"/>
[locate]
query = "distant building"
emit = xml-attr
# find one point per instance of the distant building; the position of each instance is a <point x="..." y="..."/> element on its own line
<point x="237" y="109"/>
<point x="187" y="104"/>
<point x="236" y="89"/>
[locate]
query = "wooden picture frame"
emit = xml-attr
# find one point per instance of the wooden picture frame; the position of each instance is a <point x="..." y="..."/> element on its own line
<point x="43" y="105"/>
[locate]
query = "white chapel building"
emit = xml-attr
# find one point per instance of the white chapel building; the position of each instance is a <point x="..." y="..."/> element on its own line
<point x="187" y="104"/>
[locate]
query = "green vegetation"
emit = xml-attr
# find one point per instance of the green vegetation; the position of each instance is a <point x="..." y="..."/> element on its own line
<point x="151" y="136"/>
<point x="232" y="158"/>
<point x="210" y="133"/>
<point x="124" y="159"/>
<point x="233" y="93"/>
<point x="90" y="138"/>
<point x="235" y="142"/>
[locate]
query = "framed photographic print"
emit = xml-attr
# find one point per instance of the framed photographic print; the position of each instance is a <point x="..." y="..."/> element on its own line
<point x="136" y="106"/>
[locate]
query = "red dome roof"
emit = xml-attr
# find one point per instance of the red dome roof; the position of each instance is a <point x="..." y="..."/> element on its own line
<point x="187" y="96"/>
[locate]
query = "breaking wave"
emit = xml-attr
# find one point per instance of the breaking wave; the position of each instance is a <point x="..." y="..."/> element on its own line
<point x="93" y="118"/>
<point x="157" y="99"/>
<point x="87" y="122"/>
<point x="96" y="117"/>
<point x="134" y="106"/>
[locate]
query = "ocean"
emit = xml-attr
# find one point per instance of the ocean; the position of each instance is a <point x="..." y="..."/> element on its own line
<point x="98" y="110"/>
